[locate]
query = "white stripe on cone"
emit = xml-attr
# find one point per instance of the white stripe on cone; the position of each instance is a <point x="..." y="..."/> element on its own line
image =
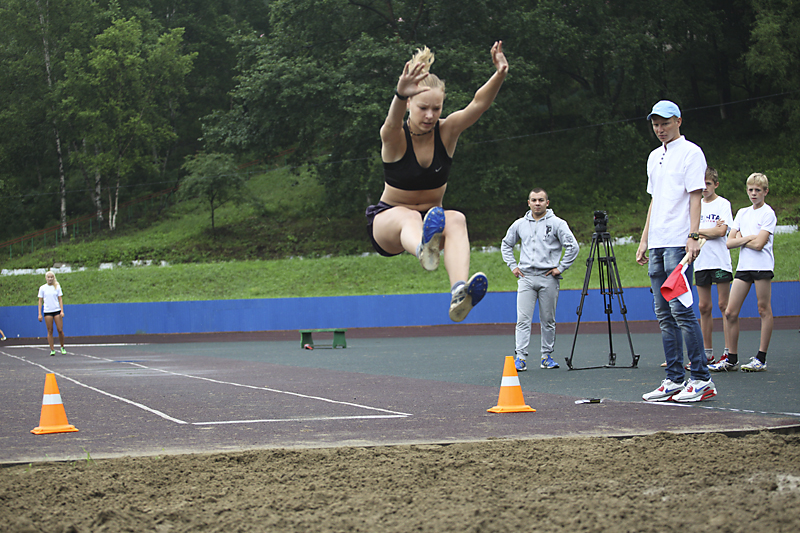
<point x="510" y="381"/>
<point x="51" y="399"/>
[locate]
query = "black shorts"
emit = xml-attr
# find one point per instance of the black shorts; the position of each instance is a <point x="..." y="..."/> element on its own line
<point x="752" y="275"/>
<point x="372" y="212"/>
<point x="53" y="313"/>
<point x="703" y="278"/>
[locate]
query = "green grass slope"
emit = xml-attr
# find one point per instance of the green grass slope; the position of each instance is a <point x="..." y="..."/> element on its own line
<point x="282" y="242"/>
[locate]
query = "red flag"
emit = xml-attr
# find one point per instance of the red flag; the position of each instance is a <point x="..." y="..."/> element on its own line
<point x="677" y="286"/>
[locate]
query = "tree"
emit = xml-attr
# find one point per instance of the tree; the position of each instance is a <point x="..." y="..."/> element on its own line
<point x="33" y="37"/>
<point x="773" y="58"/>
<point x="213" y="178"/>
<point x="322" y="81"/>
<point x="117" y="99"/>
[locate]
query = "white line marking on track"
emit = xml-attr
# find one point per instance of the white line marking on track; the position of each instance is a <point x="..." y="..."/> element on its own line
<point x="253" y="387"/>
<point x="714" y="408"/>
<point x="389" y="413"/>
<point x="44" y="346"/>
<point x="120" y="398"/>
<point x="300" y="419"/>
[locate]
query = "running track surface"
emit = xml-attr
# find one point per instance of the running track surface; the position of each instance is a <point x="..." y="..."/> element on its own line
<point x="232" y="392"/>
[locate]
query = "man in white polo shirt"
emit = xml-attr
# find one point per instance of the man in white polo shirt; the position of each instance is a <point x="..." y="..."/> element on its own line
<point x="675" y="182"/>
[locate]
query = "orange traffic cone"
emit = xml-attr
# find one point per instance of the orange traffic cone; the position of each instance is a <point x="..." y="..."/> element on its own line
<point x="54" y="418"/>
<point x="510" y="400"/>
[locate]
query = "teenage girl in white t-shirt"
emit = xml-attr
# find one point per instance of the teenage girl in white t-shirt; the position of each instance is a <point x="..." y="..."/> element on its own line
<point x="50" y="296"/>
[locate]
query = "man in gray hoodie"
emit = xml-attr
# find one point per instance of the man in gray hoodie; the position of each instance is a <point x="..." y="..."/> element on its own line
<point x="543" y="236"/>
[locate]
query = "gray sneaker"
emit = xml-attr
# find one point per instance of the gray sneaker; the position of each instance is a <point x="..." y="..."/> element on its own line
<point x="467" y="296"/>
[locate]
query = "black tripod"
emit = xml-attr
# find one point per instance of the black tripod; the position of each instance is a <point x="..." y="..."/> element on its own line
<point x="610" y="285"/>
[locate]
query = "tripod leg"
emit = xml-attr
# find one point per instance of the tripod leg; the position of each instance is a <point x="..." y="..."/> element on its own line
<point x="584" y="292"/>
<point x="624" y="310"/>
<point x="607" y="291"/>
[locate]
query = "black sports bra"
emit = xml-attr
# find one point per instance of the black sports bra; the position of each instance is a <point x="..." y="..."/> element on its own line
<point x="407" y="174"/>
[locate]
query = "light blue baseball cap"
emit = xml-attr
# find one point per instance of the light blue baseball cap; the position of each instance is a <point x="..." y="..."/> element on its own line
<point x="665" y="109"/>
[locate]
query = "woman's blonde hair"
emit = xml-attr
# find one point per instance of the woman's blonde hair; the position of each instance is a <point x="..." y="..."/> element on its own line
<point x="55" y="281"/>
<point x="426" y="57"/>
<point x="758" y="179"/>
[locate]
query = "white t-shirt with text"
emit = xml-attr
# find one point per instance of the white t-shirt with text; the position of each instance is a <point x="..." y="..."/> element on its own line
<point x="715" y="254"/>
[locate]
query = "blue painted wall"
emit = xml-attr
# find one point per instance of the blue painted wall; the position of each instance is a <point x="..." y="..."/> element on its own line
<point x="344" y="312"/>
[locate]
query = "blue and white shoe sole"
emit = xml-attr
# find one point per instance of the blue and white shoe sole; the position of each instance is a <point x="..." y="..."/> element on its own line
<point x="477" y="286"/>
<point x="432" y="228"/>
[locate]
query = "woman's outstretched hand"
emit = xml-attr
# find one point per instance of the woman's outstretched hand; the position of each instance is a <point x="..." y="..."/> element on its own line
<point x="408" y="84"/>
<point x="498" y="58"/>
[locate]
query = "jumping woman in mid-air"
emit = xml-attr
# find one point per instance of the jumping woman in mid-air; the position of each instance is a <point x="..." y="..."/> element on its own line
<point x="417" y="154"/>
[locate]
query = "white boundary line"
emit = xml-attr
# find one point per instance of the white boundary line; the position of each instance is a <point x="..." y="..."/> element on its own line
<point x="80" y="345"/>
<point x="714" y="408"/>
<point x="389" y="414"/>
<point x="120" y="398"/>
<point x="316" y="418"/>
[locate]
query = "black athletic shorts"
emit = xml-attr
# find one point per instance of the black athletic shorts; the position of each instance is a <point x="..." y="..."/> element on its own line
<point x="53" y="313"/>
<point x="703" y="278"/>
<point x="752" y="275"/>
<point x="372" y="212"/>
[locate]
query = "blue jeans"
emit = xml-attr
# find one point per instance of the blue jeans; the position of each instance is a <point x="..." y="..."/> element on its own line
<point x="677" y="322"/>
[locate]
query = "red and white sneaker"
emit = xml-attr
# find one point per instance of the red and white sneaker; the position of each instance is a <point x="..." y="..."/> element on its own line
<point x="696" y="391"/>
<point x="665" y="392"/>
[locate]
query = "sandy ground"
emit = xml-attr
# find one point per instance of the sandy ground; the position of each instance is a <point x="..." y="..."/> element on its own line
<point x="661" y="482"/>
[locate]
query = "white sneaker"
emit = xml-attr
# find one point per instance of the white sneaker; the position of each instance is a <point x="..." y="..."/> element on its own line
<point x="665" y="392"/>
<point x="754" y="366"/>
<point x="724" y="365"/>
<point x="696" y="391"/>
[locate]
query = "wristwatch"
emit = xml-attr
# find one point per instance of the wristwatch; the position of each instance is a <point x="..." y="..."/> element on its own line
<point x="694" y="235"/>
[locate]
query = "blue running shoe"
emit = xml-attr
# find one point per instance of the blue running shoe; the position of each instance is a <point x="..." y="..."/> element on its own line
<point x="549" y="363"/>
<point x="432" y="228"/>
<point x="467" y="295"/>
<point x="520" y="364"/>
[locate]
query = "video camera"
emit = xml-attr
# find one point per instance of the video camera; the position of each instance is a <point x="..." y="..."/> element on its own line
<point x="600" y="221"/>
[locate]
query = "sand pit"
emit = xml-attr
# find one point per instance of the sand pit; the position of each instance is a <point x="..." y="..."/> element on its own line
<point x="661" y="482"/>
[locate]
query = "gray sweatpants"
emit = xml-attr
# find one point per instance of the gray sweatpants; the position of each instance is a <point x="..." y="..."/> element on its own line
<point x="530" y="288"/>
